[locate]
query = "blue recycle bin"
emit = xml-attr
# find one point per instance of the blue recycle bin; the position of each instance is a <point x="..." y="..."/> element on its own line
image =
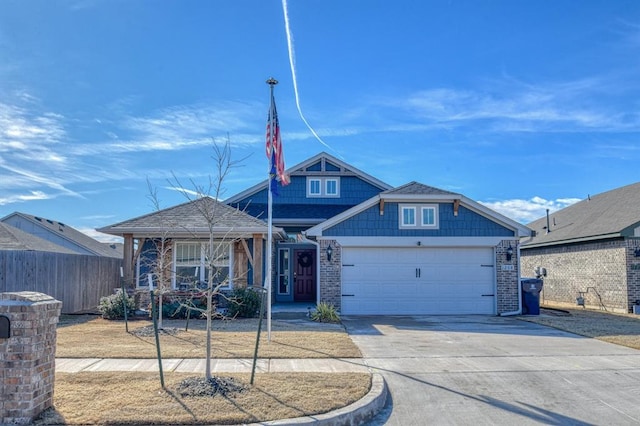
<point x="531" y="288"/>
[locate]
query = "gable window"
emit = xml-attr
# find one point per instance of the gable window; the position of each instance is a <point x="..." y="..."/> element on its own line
<point x="408" y="216"/>
<point x="314" y="187"/>
<point x="428" y="217"/>
<point x="323" y="187"/>
<point x="331" y="186"/>
<point x="418" y="216"/>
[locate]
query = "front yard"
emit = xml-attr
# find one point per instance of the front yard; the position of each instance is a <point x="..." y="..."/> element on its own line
<point x="101" y="398"/>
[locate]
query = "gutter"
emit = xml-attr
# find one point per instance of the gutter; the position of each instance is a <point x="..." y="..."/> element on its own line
<point x="519" y="311"/>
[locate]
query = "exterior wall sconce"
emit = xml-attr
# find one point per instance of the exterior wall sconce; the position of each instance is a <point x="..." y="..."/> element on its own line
<point x="509" y="252"/>
<point x="636" y="252"/>
<point x="329" y="252"/>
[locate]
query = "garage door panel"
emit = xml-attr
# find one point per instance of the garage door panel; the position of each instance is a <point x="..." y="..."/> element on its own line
<point x="450" y="281"/>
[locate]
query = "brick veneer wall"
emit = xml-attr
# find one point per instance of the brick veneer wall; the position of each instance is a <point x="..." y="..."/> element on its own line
<point x="27" y="358"/>
<point x="600" y="271"/>
<point x="330" y="274"/>
<point x="507" y="292"/>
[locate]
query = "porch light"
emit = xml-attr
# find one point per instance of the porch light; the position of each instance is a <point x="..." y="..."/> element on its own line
<point x="509" y="252"/>
<point x="329" y="252"/>
<point x="636" y="252"/>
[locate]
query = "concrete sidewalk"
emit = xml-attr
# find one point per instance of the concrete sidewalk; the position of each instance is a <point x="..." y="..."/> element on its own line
<point x="186" y="365"/>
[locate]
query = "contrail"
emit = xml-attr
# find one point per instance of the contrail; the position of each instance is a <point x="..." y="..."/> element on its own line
<point x="295" y="78"/>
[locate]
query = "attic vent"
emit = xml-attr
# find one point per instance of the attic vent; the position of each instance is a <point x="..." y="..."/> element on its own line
<point x="61" y="224"/>
<point x="50" y="222"/>
<point x="37" y="218"/>
<point x="113" y="246"/>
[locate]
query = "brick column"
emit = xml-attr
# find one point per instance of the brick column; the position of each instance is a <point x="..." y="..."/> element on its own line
<point x="27" y="357"/>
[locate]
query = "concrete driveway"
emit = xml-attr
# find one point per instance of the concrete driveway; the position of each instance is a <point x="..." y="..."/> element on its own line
<point x="479" y="370"/>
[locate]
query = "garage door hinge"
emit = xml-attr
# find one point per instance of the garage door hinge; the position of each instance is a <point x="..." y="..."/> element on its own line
<point x="348" y="264"/>
<point x="348" y="295"/>
<point x="487" y="266"/>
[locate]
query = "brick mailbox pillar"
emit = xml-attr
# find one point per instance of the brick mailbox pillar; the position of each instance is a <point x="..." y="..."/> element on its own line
<point x="27" y="355"/>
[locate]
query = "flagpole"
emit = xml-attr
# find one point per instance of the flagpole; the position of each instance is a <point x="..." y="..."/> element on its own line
<point x="271" y="82"/>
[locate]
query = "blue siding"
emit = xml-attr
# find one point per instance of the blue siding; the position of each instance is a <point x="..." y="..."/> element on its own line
<point x="369" y="223"/>
<point x="353" y="190"/>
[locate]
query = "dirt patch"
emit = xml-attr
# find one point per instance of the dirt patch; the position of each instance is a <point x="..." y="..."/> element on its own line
<point x="621" y="329"/>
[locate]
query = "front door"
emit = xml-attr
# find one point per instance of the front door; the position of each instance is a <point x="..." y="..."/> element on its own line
<point x="304" y="275"/>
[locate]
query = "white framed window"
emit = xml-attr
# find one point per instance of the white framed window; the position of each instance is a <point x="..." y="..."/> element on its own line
<point x="428" y="216"/>
<point x="331" y="187"/>
<point x="323" y="187"/>
<point x="408" y="217"/>
<point x="418" y="216"/>
<point x="315" y="188"/>
<point x="192" y="258"/>
<point x="283" y="271"/>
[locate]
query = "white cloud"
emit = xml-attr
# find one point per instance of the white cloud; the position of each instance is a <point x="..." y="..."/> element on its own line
<point x="526" y="211"/>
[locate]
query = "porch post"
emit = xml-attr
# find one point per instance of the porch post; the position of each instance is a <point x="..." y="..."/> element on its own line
<point x="127" y="259"/>
<point x="257" y="260"/>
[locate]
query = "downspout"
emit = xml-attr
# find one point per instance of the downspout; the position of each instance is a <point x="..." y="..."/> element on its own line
<point x="519" y="311"/>
<point x="317" y="244"/>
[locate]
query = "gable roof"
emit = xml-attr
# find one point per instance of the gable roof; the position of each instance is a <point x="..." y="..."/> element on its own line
<point x="301" y="169"/>
<point x="610" y="214"/>
<point x="193" y="219"/>
<point x="59" y="230"/>
<point x="418" y="192"/>
<point x="12" y="238"/>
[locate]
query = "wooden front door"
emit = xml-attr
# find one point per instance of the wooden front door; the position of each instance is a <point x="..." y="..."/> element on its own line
<point x="304" y="275"/>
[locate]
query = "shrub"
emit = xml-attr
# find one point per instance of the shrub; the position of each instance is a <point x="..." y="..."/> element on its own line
<point x="244" y="302"/>
<point x="111" y="306"/>
<point x="325" y="313"/>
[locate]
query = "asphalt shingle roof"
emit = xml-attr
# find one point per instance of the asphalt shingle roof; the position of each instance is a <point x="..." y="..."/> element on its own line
<point x="416" y="188"/>
<point x="190" y="217"/>
<point x="12" y="238"/>
<point x="610" y="214"/>
<point x="71" y="234"/>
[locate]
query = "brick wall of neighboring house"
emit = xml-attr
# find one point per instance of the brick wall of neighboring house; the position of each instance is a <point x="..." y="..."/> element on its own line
<point x="597" y="271"/>
<point x="330" y="274"/>
<point x="633" y="272"/>
<point x="27" y="357"/>
<point x="506" y="278"/>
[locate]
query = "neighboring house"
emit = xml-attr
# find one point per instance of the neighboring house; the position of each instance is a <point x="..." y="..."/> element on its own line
<point x="12" y="238"/>
<point x="590" y="251"/>
<point x="62" y="235"/>
<point x="369" y="249"/>
<point x="180" y="235"/>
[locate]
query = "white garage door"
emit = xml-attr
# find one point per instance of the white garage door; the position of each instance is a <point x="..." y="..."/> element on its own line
<point x="420" y="280"/>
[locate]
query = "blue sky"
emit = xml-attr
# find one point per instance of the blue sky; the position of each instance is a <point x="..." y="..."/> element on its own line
<point x="520" y="105"/>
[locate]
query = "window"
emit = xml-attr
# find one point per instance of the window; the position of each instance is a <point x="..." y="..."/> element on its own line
<point x="428" y="216"/>
<point x="332" y="187"/>
<point x="418" y="216"/>
<point x="323" y="187"/>
<point x="192" y="260"/>
<point x="283" y="271"/>
<point x="314" y="187"/>
<point x="408" y="216"/>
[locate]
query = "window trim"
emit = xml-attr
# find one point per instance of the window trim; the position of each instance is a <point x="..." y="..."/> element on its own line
<point x="323" y="186"/>
<point x="419" y="214"/>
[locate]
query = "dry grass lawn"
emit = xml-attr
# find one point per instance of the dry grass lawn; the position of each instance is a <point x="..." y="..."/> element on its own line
<point x="92" y="398"/>
<point x="137" y="398"/>
<point x="621" y="329"/>
<point x="93" y="337"/>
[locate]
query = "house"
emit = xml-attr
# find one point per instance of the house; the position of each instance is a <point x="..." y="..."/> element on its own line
<point x="368" y="248"/>
<point x="14" y="239"/>
<point x="179" y="237"/>
<point x="62" y="235"/>
<point x="348" y="239"/>
<point x="590" y="251"/>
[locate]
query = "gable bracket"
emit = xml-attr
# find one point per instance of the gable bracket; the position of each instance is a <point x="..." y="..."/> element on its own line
<point x="456" y="206"/>
<point x="382" y="207"/>
<point x="247" y="252"/>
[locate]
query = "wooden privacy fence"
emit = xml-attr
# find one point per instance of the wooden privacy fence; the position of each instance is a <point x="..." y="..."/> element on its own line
<point x="77" y="280"/>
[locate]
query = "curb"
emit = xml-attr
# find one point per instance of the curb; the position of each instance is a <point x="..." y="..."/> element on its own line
<point x="354" y="414"/>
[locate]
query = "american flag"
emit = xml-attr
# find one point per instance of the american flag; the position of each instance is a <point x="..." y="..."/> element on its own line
<point x="274" y="145"/>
